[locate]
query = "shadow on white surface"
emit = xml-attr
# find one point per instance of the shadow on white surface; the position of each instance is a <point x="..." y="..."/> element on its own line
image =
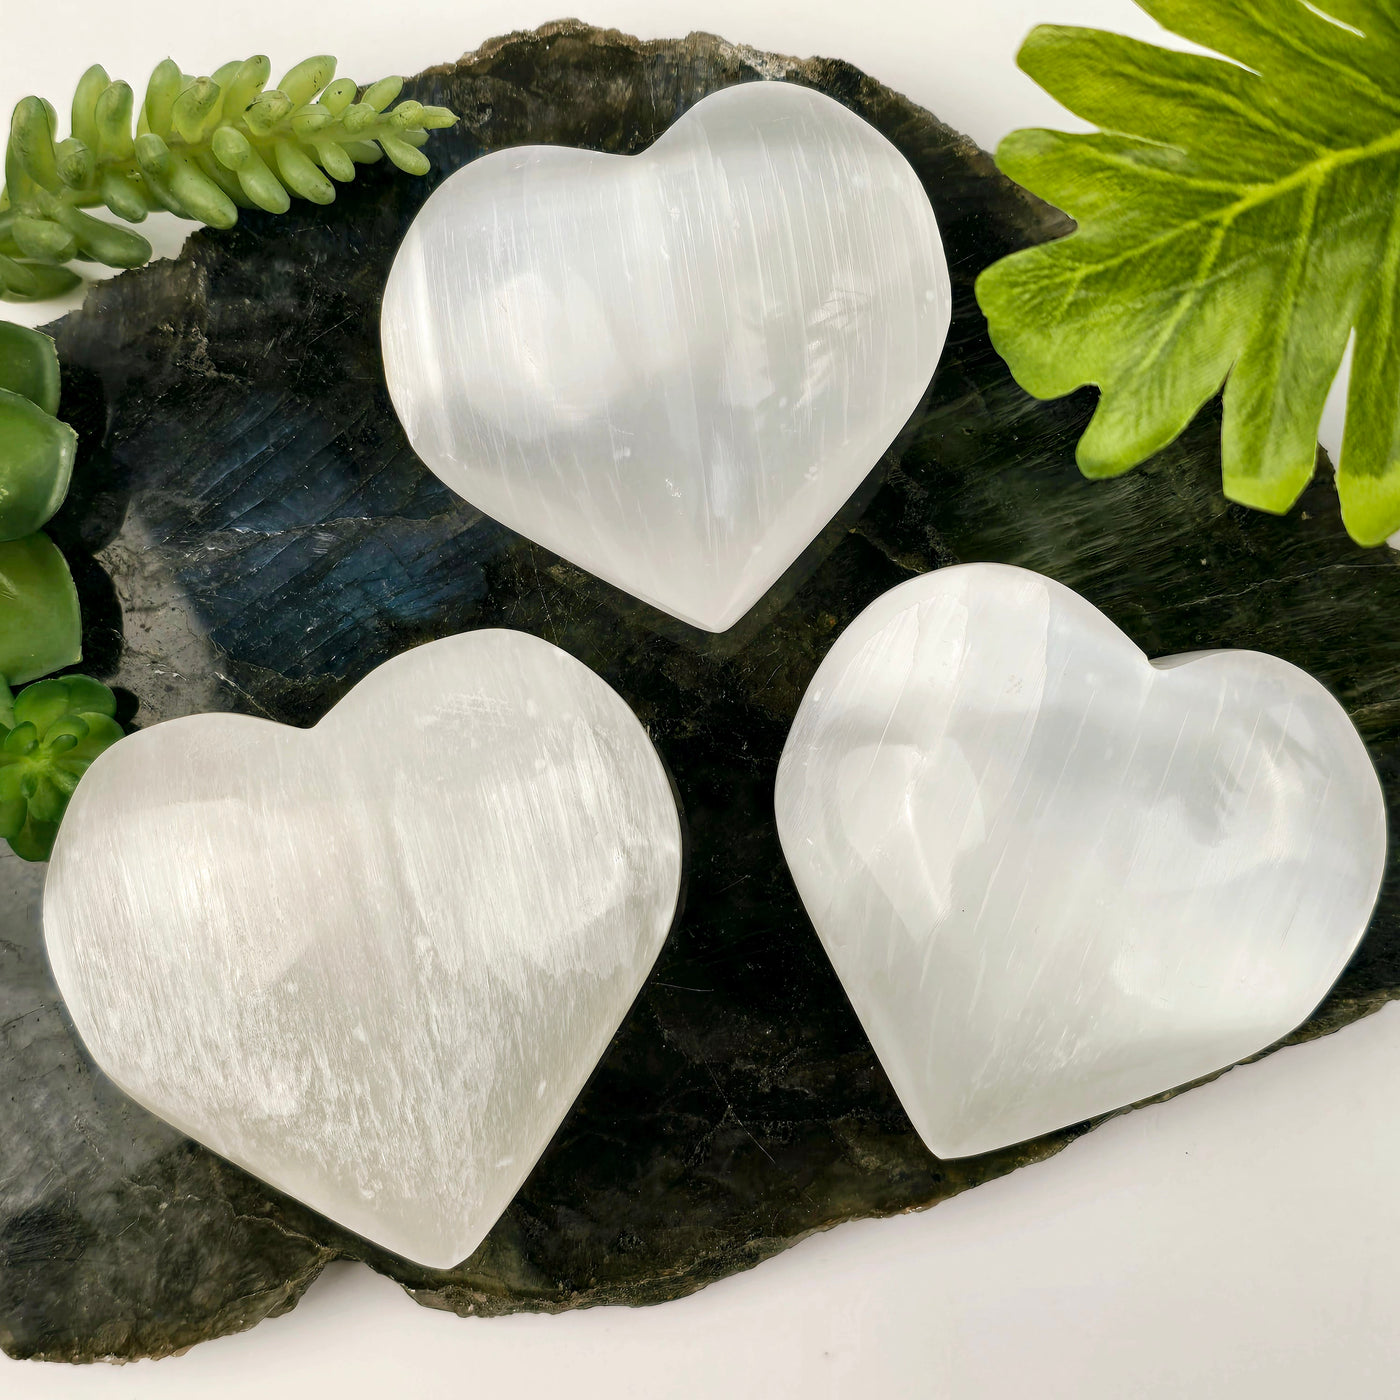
<point x="1236" y="1242"/>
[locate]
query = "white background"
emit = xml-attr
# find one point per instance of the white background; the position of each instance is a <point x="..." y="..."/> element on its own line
<point x="1237" y="1242"/>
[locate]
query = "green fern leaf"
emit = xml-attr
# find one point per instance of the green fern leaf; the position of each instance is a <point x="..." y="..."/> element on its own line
<point x="1235" y="224"/>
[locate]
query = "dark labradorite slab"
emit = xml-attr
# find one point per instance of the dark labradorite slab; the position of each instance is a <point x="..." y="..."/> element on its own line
<point x="251" y="532"/>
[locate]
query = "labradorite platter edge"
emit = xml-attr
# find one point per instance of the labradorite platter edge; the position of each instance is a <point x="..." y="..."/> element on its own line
<point x="250" y="531"/>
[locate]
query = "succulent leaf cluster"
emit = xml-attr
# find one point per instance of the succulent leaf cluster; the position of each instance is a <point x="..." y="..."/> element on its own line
<point x="36" y="449"/>
<point x="55" y="728"/>
<point x="39" y="621"/>
<point x="49" y="735"/>
<point x="202" y="148"/>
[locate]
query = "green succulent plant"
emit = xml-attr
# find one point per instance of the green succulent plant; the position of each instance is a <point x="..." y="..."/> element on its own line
<point x="54" y="728"/>
<point x="39" y="623"/>
<point x="202" y="148"/>
<point x="36" y="450"/>
<point x="29" y="365"/>
<point x="49" y="735"/>
<point x="40" y="626"/>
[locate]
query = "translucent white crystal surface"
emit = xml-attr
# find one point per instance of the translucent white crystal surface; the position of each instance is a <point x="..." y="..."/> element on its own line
<point x="672" y="368"/>
<point x="1056" y="877"/>
<point x="373" y="962"/>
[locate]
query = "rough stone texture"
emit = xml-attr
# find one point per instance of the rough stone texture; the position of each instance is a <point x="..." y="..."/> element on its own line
<point x="251" y="532"/>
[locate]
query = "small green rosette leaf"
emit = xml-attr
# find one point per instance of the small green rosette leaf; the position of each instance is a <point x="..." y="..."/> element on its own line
<point x="56" y="729"/>
<point x="40" y="629"/>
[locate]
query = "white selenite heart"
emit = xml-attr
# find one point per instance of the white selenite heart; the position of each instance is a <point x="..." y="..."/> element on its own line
<point x="375" y="961"/>
<point x="672" y="368"/>
<point x="1056" y="877"/>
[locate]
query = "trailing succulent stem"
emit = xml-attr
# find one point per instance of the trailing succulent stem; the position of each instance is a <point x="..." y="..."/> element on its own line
<point x="202" y="148"/>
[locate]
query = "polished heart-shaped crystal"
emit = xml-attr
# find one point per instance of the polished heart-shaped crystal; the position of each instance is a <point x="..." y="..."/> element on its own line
<point x="1056" y="877"/>
<point x="375" y="961"/>
<point x="672" y="368"/>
